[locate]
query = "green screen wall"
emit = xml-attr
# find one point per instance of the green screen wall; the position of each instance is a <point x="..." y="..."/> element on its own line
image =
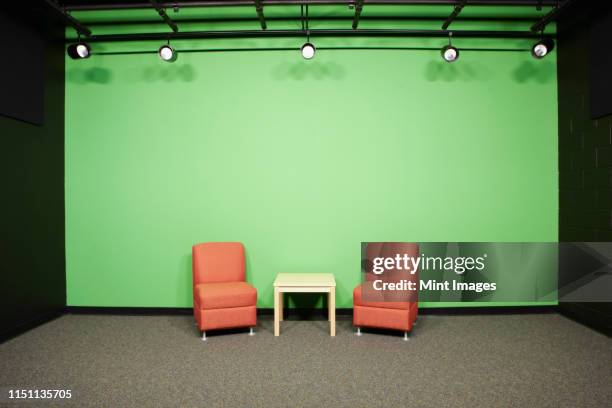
<point x="299" y="160"/>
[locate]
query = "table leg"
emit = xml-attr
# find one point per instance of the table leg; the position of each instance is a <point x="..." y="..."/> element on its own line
<point x="276" y="312"/>
<point x="332" y="311"/>
<point x="281" y="302"/>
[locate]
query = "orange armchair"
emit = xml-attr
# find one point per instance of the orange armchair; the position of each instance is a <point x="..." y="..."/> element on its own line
<point x="385" y="310"/>
<point x="221" y="297"/>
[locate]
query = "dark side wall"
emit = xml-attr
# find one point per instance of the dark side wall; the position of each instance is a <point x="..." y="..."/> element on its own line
<point x="585" y="144"/>
<point x="32" y="260"/>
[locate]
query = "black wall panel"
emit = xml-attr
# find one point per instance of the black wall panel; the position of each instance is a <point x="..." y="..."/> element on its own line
<point x="600" y="64"/>
<point x="32" y="253"/>
<point x="585" y="150"/>
<point x="22" y="78"/>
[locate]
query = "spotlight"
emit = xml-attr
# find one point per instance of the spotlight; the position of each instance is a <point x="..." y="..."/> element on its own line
<point x="450" y="53"/>
<point x="308" y="50"/>
<point x="167" y="53"/>
<point x="79" y="50"/>
<point x="542" y="48"/>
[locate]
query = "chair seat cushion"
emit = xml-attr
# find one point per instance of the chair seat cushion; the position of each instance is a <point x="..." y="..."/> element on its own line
<point x="358" y="300"/>
<point x="224" y="295"/>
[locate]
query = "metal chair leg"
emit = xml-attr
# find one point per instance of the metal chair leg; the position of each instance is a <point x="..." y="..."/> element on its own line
<point x="406" y="338"/>
<point x="251" y="331"/>
<point x="358" y="332"/>
<point x="203" y="336"/>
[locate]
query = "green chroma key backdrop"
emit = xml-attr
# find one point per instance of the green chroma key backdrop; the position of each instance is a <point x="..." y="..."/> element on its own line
<point x="299" y="160"/>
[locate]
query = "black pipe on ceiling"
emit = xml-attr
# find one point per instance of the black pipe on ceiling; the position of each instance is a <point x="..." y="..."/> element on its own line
<point x="313" y="33"/>
<point x="214" y="20"/>
<point x="551" y="16"/>
<point x="68" y="19"/>
<point x="358" y="9"/>
<point x="260" y="14"/>
<point x="339" y="48"/>
<point x="454" y="14"/>
<point x="162" y="13"/>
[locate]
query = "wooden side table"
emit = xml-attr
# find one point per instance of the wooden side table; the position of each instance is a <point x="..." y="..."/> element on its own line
<point x="301" y="283"/>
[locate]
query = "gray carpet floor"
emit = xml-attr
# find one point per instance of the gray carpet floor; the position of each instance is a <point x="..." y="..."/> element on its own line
<point x="450" y="361"/>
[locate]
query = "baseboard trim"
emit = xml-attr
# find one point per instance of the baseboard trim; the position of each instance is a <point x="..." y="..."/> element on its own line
<point x="266" y="311"/>
<point x="493" y="310"/>
<point x="448" y="311"/>
<point x="126" y="310"/>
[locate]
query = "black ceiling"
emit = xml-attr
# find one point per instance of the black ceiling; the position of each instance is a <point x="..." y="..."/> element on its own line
<point x="115" y="4"/>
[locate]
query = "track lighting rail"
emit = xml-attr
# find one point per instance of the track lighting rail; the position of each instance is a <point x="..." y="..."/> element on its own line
<point x="160" y="7"/>
<point x="449" y="52"/>
<point x="332" y="48"/>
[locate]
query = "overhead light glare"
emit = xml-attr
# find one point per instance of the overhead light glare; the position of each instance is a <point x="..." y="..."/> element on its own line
<point x="450" y="53"/>
<point x="542" y="48"/>
<point x="79" y="50"/>
<point x="167" y="53"/>
<point x="308" y="51"/>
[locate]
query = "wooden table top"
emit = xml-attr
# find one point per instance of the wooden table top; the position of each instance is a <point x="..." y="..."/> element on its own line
<point x="305" y="279"/>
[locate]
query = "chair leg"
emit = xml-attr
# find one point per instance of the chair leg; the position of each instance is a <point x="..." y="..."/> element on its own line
<point x="203" y="335"/>
<point x="406" y="338"/>
<point x="251" y="331"/>
<point x="358" y="332"/>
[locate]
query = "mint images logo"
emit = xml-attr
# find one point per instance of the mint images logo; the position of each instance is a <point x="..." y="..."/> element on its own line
<point x="459" y="264"/>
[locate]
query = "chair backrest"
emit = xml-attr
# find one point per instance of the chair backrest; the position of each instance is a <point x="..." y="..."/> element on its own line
<point x="218" y="262"/>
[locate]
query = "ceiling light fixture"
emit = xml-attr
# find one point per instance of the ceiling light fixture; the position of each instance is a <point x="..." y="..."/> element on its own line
<point x="308" y="50"/>
<point x="79" y="50"/>
<point x="542" y="48"/>
<point x="448" y="52"/>
<point x="167" y="53"/>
